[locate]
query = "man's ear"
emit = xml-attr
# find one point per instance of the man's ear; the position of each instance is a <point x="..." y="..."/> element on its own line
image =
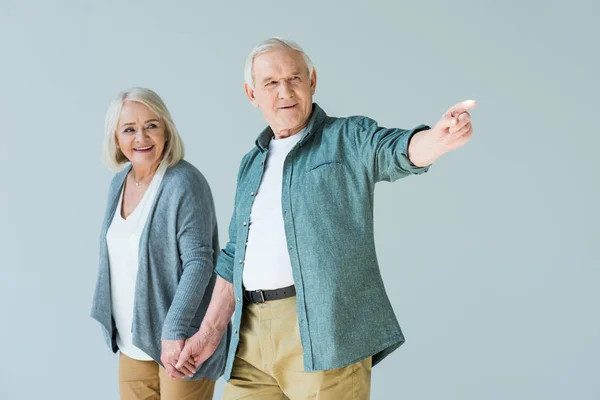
<point x="250" y="93"/>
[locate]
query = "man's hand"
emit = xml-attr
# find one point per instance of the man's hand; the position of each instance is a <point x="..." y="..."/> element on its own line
<point x="452" y="131"/>
<point x="203" y="344"/>
<point x="169" y="355"/>
<point x="199" y="347"/>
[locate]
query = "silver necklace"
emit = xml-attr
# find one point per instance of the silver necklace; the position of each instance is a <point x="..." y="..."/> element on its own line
<point x="143" y="181"/>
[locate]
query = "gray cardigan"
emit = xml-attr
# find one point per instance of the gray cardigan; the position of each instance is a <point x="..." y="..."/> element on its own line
<point x="177" y="253"/>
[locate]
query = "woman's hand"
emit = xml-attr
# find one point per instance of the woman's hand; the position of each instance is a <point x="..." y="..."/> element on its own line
<point x="170" y="352"/>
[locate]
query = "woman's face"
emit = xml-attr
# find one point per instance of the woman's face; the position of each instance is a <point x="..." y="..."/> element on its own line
<point x="140" y="135"/>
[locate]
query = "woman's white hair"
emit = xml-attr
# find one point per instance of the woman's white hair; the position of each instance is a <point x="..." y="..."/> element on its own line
<point x="112" y="155"/>
<point x="274" y="43"/>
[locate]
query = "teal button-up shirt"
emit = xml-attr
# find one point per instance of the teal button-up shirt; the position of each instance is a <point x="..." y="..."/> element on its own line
<point x="329" y="178"/>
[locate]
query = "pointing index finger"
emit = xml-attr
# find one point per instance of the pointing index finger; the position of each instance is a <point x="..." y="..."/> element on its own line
<point x="461" y="107"/>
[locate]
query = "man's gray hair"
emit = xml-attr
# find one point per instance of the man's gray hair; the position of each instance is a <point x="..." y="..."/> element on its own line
<point x="274" y="43"/>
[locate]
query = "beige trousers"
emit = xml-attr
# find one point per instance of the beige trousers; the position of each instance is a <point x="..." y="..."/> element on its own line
<point x="269" y="361"/>
<point x="147" y="380"/>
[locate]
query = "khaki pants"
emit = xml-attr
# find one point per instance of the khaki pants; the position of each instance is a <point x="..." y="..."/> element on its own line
<point x="269" y="361"/>
<point x="147" y="380"/>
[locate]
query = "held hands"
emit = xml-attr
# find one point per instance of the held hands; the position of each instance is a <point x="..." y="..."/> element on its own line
<point x="181" y="358"/>
<point x="452" y="131"/>
<point x="170" y="355"/>
<point x="199" y="347"/>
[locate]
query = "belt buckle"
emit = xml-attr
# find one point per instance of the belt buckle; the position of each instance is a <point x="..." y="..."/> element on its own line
<point x="262" y="296"/>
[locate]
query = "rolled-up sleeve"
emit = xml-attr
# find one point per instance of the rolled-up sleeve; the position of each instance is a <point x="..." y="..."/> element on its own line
<point x="384" y="151"/>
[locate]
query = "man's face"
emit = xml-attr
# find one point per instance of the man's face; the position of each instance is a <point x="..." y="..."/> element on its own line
<point x="283" y="90"/>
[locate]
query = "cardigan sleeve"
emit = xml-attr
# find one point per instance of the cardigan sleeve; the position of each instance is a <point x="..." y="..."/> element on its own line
<point x="196" y="234"/>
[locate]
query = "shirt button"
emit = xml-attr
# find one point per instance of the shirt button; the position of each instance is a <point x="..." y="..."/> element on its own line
<point x="237" y="299"/>
<point x="262" y="163"/>
<point x="252" y="194"/>
<point x="235" y="331"/>
<point x="241" y="261"/>
<point x="244" y="223"/>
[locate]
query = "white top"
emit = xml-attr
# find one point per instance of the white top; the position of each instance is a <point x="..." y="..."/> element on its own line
<point x="123" y="237"/>
<point x="267" y="265"/>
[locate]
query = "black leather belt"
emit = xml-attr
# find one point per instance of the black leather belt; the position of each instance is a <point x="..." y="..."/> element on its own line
<point x="260" y="296"/>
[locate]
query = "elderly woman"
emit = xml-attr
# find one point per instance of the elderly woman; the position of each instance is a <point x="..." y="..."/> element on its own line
<point x="158" y="247"/>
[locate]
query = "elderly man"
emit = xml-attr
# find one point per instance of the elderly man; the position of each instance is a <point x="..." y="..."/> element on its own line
<point x="300" y="274"/>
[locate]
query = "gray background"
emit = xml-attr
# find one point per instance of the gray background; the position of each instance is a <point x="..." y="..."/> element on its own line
<point x="490" y="260"/>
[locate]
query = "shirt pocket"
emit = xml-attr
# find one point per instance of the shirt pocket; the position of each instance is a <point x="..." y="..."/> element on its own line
<point x="326" y="165"/>
<point x="325" y="178"/>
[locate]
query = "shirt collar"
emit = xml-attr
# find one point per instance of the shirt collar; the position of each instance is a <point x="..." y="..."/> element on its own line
<point x="316" y="120"/>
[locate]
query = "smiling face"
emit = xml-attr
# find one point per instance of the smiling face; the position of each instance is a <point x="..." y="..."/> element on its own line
<point x="283" y="90"/>
<point x="141" y="135"/>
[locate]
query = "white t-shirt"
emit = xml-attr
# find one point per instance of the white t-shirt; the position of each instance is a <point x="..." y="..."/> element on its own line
<point x="123" y="238"/>
<point x="267" y="264"/>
